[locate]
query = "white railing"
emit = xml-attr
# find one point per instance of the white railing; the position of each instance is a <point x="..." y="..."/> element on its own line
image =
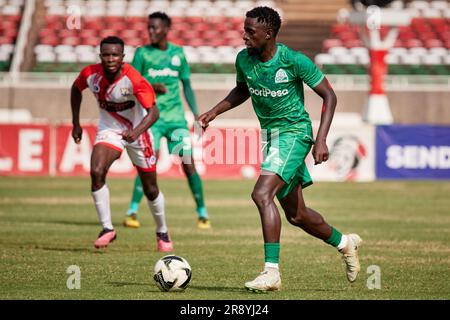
<point x="227" y="81"/>
<point x="22" y="37"/>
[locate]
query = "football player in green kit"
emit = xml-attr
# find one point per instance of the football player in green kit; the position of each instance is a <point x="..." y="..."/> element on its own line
<point x="273" y="75"/>
<point x="164" y="64"/>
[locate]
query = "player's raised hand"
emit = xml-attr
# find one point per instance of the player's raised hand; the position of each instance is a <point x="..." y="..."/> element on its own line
<point x="205" y="118"/>
<point x="77" y="133"/>
<point x="320" y="152"/>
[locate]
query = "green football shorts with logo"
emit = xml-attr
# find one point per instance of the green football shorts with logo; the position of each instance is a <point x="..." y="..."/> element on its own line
<point x="285" y="154"/>
<point x="177" y="135"/>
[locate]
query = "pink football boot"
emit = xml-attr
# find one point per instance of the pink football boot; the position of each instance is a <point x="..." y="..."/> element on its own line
<point x="164" y="244"/>
<point x="105" y="237"/>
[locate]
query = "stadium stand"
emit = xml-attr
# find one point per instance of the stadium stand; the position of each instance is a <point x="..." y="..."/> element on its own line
<point x="210" y="31"/>
<point x="51" y="46"/>
<point x="422" y="48"/>
<point x="10" y="16"/>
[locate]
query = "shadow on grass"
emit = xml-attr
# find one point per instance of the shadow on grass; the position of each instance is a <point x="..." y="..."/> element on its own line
<point x="75" y="223"/>
<point x="190" y="288"/>
<point x="125" y="283"/>
<point x="84" y="249"/>
<point x="217" y="288"/>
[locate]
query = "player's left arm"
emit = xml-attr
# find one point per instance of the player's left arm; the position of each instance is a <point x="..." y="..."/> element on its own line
<point x="184" y="76"/>
<point x="190" y="96"/>
<point x="315" y="79"/>
<point x="147" y="121"/>
<point x="326" y="92"/>
<point x="145" y="94"/>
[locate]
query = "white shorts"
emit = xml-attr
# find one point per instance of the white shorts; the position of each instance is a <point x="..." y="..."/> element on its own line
<point x="140" y="151"/>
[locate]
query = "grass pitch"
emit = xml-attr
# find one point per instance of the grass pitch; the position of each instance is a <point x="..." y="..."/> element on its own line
<point x="49" y="224"/>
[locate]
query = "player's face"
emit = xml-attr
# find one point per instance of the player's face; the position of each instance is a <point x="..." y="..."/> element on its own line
<point x="111" y="56"/>
<point x="255" y="36"/>
<point x="157" y="30"/>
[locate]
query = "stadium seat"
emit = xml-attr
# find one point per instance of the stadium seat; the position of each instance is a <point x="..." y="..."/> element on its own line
<point x="196" y="23"/>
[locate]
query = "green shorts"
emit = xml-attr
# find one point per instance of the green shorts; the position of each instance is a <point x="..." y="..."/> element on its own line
<point x="285" y="154"/>
<point x="177" y="135"/>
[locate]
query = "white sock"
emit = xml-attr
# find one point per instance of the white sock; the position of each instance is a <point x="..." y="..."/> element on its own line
<point x="271" y="265"/>
<point x="343" y="243"/>
<point x="101" y="200"/>
<point x="157" y="209"/>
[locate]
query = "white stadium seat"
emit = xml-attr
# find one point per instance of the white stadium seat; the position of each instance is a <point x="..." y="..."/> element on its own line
<point x="438" y="51"/>
<point x="392" y="58"/>
<point x="47" y="56"/>
<point x="446" y="59"/>
<point x="441" y="5"/>
<point x="67" y="57"/>
<point x="418" y="51"/>
<point x="63" y="48"/>
<point x="338" y="51"/>
<point x="431" y="59"/>
<point x="345" y="59"/>
<point x="324" y="58"/>
<point x="410" y="59"/>
<point x="419" y="4"/>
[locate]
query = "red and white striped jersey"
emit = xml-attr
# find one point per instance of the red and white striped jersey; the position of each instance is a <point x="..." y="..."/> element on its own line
<point x="122" y="102"/>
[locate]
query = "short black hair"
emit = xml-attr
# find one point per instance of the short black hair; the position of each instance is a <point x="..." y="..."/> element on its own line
<point x="266" y="16"/>
<point x="112" y="40"/>
<point x="161" y="15"/>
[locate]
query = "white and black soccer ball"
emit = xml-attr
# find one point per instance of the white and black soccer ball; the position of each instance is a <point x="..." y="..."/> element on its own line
<point x="172" y="273"/>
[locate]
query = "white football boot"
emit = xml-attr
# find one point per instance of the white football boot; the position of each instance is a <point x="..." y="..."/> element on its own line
<point x="268" y="280"/>
<point x="350" y="256"/>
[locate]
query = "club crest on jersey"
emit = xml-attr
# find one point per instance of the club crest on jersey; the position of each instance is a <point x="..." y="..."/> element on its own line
<point x="281" y="76"/>
<point x="96" y="88"/>
<point x="176" y="61"/>
<point x="125" y="91"/>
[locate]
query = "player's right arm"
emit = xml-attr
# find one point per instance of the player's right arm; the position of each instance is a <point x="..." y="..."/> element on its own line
<point x="75" y="103"/>
<point x="237" y="96"/>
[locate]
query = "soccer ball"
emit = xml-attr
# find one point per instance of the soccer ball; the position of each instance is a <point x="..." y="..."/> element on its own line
<point x="172" y="273"/>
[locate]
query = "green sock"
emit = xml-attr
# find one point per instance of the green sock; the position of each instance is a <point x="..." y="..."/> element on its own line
<point x="272" y="252"/>
<point x="136" y="198"/>
<point x="335" y="238"/>
<point x="195" y="183"/>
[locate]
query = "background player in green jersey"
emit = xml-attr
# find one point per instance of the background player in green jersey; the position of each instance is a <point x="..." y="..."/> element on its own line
<point x="164" y="64"/>
<point x="273" y="76"/>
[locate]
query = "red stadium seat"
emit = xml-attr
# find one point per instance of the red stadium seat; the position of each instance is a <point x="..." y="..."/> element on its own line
<point x="433" y="43"/>
<point x="413" y="43"/>
<point x="353" y="43"/>
<point x="329" y="43"/>
<point x="73" y="41"/>
<point x="92" y="41"/>
<point x="52" y="41"/>
<point x="210" y="34"/>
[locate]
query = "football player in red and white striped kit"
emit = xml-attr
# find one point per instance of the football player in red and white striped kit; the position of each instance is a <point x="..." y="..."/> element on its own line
<point x="127" y="109"/>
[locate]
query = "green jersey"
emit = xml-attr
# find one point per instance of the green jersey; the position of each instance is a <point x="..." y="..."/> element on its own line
<point x="276" y="87"/>
<point x="166" y="67"/>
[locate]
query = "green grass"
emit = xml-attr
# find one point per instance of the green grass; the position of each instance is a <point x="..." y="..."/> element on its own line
<point x="48" y="224"/>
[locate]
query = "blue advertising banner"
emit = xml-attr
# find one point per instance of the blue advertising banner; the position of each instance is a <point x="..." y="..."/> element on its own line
<point x="412" y="152"/>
